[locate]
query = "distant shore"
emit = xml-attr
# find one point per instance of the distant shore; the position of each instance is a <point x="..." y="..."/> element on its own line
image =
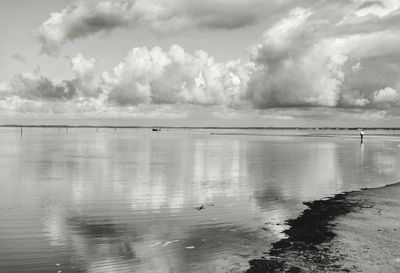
<point x="357" y="231"/>
<point x="199" y="127"/>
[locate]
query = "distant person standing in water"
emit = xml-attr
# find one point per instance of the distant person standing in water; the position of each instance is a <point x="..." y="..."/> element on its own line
<point x="362" y="134"/>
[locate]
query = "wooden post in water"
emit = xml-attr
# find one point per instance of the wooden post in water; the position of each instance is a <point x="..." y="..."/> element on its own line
<point x="21" y="129"/>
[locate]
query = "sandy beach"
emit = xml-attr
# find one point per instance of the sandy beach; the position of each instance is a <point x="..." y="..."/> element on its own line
<point x="357" y="231"/>
<point x="369" y="237"/>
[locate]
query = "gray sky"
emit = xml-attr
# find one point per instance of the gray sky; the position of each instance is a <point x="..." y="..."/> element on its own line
<point x="211" y="62"/>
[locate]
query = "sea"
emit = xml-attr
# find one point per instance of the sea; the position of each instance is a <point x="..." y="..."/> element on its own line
<point x="175" y="200"/>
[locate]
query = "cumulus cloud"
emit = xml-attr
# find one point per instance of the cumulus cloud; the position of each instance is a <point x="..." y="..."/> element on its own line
<point x="306" y="61"/>
<point x="146" y="77"/>
<point x="35" y="87"/>
<point x="85" y="79"/>
<point x="85" y="18"/>
<point x="387" y="95"/>
<point x="34" y="91"/>
<point x="175" y="77"/>
<point x="294" y="71"/>
<point x="83" y="66"/>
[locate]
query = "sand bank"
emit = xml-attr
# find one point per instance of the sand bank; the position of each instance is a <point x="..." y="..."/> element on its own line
<point x="351" y="232"/>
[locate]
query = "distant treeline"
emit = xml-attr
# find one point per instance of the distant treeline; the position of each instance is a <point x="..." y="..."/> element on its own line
<point x="205" y="128"/>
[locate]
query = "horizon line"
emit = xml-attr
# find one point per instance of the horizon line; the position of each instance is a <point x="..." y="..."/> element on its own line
<point x="198" y="127"/>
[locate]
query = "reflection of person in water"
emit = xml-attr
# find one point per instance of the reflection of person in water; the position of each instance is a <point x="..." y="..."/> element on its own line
<point x="362" y="153"/>
<point x="362" y="134"/>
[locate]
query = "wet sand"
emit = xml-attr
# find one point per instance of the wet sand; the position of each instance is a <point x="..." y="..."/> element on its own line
<point x="357" y="231"/>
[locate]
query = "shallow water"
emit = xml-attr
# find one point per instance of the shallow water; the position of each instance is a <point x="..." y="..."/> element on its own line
<point x="127" y="201"/>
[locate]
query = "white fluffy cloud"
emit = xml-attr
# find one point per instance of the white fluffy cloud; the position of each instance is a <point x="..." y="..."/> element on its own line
<point x="143" y="79"/>
<point x="83" y="66"/>
<point x="175" y="77"/>
<point x="387" y="95"/>
<point x="85" y="79"/>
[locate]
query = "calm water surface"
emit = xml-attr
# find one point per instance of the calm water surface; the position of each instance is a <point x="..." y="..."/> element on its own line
<point x="126" y="201"/>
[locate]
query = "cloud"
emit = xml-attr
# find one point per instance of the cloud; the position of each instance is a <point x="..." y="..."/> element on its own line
<point x="81" y="19"/>
<point x="83" y="66"/>
<point x="323" y="57"/>
<point x="291" y="70"/>
<point x="34" y="87"/>
<point x="175" y="77"/>
<point x="145" y="78"/>
<point x="304" y="61"/>
<point x="387" y="95"/>
<point x="85" y="79"/>
<point x="85" y="18"/>
<point x="356" y="67"/>
<point x="379" y="8"/>
<point x="19" y="58"/>
<point x="4" y="87"/>
<point x="77" y="107"/>
<point x="354" y="98"/>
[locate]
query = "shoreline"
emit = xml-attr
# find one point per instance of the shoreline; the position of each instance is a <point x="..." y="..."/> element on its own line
<point x="324" y="237"/>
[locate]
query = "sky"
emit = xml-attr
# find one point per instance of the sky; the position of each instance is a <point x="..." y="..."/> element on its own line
<point x="200" y="63"/>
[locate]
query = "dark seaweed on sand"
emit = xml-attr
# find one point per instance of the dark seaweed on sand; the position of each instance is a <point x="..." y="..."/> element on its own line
<point x="302" y="249"/>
